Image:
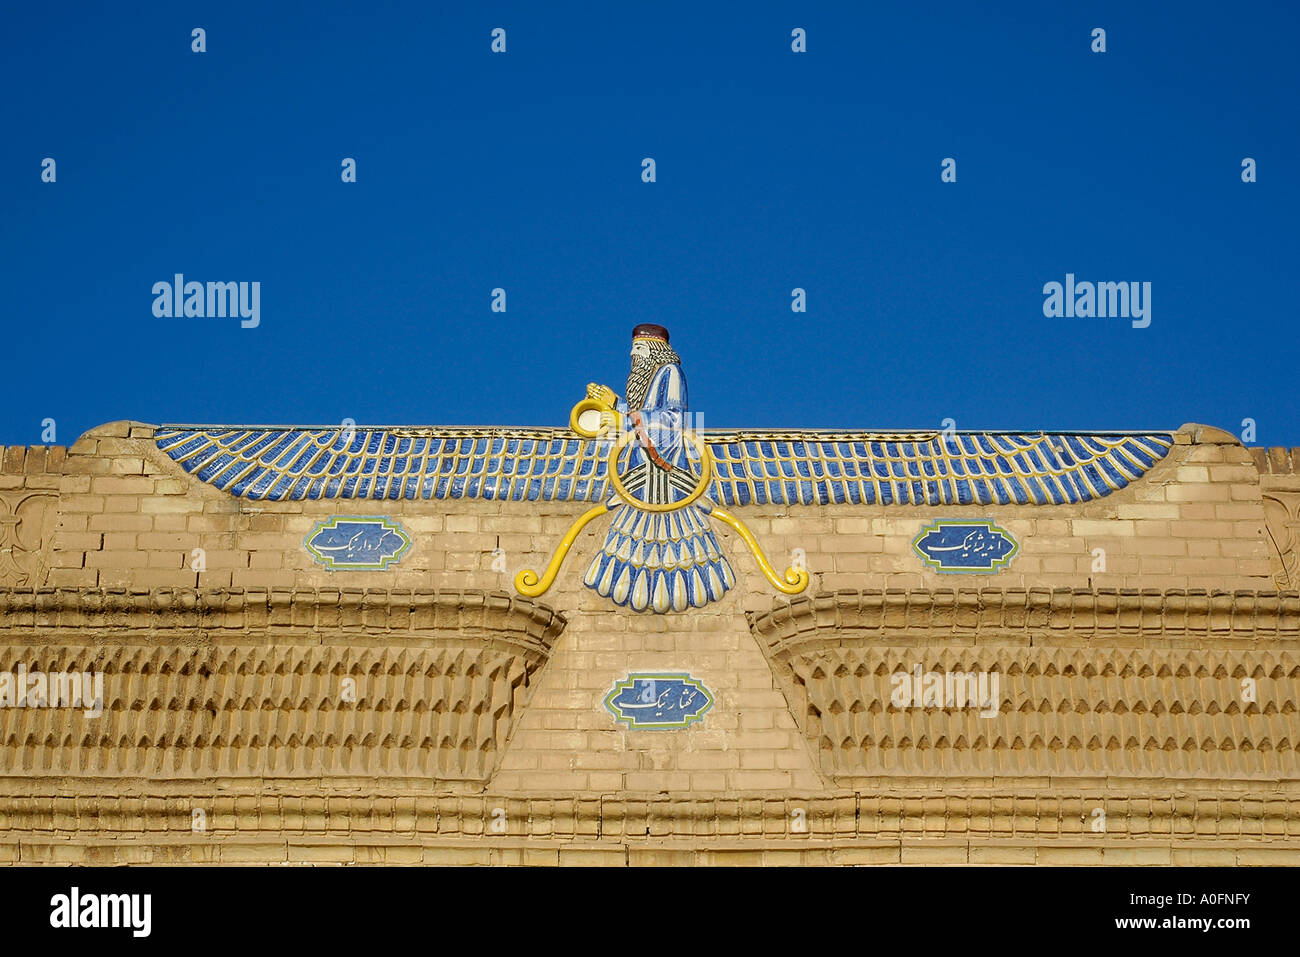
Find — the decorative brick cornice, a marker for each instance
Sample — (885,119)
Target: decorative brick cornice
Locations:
(1012,615)
(390,613)
(846,816)
(1197,686)
(1276,461)
(247,683)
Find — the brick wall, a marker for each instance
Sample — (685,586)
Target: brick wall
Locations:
(1196,520)
(1279,480)
(130,516)
(30,482)
(129,521)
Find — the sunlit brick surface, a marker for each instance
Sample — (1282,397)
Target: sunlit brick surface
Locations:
(260,707)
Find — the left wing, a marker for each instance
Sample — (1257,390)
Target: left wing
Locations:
(289,464)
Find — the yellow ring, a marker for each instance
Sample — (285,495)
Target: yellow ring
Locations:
(706,476)
(588,405)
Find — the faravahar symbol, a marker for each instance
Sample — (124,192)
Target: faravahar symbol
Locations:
(660,552)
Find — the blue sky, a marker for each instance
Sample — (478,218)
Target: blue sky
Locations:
(775,170)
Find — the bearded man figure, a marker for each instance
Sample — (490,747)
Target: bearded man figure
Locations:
(662,558)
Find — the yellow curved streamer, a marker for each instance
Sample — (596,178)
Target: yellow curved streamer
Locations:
(796,579)
(527,582)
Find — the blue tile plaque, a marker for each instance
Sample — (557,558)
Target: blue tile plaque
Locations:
(659,701)
(969,546)
(357,543)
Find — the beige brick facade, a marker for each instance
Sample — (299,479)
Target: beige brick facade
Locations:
(262,708)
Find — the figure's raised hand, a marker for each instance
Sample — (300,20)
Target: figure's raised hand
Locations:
(602,394)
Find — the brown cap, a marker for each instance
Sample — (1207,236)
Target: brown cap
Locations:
(648,330)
